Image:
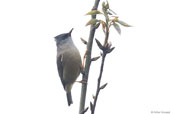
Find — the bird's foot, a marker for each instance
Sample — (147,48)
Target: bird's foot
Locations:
(84,81)
(82,72)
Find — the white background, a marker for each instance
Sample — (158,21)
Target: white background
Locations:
(137,72)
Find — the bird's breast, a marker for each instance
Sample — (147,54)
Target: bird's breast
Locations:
(71,61)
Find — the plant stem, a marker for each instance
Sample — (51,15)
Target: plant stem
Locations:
(88,61)
(101,68)
(98,83)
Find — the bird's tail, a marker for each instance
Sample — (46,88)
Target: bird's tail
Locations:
(69,98)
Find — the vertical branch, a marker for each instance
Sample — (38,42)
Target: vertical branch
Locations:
(107,29)
(106,36)
(88,61)
(98,84)
(105,48)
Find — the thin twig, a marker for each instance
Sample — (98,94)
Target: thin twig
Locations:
(102,66)
(98,83)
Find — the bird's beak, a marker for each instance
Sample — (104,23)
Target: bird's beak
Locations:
(70,31)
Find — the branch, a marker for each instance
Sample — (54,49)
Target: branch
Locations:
(98,84)
(106,48)
(88,61)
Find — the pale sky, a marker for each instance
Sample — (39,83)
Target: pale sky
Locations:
(138,71)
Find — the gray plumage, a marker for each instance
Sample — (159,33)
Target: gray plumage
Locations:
(68,62)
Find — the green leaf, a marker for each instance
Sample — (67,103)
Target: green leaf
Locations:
(91,106)
(107,5)
(97,25)
(93,12)
(99,44)
(117,27)
(85,111)
(93,97)
(110,50)
(103,4)
(108,12)
(92,21)
(84,41)
(103,25)
(103,86)
(112,11)
(95,58)
(123,23)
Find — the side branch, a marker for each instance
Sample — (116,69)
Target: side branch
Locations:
(98,84)
(106,49)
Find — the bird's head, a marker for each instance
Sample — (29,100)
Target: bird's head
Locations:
(64,38)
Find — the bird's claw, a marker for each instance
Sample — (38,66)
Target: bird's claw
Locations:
(84,81)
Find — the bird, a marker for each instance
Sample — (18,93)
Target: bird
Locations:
(69,64)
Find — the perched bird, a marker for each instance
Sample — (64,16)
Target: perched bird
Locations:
(68,62)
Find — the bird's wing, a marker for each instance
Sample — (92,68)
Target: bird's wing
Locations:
(60,69)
